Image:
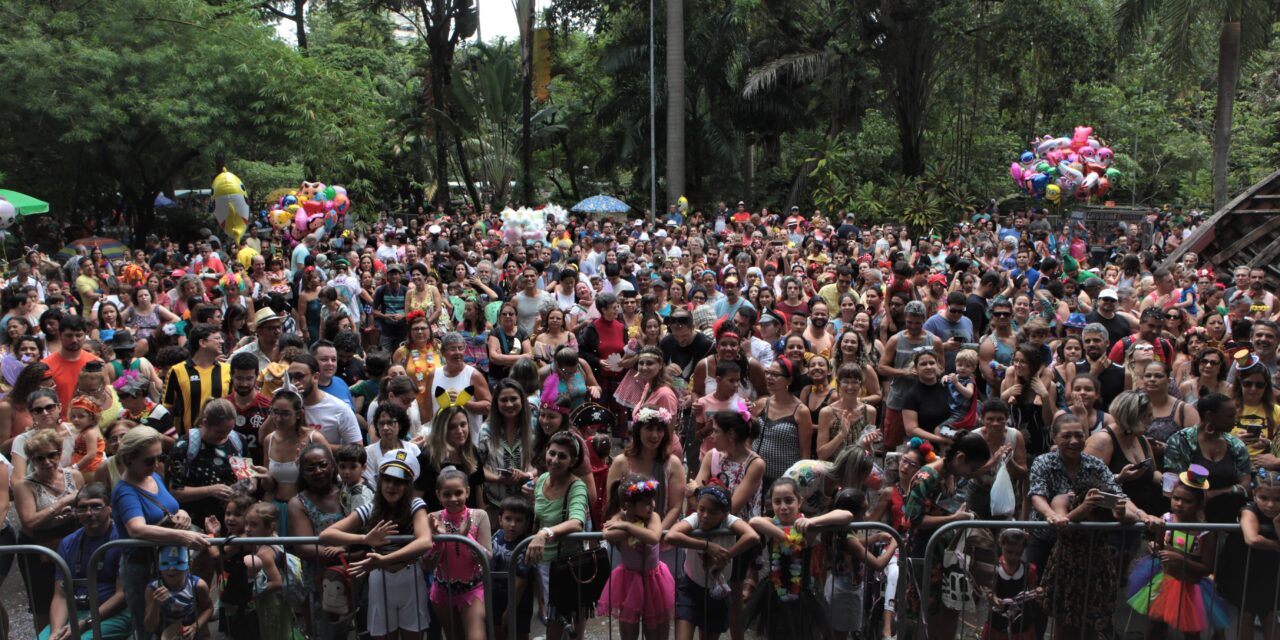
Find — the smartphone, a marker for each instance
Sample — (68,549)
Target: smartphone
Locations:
(1110,499)
(1145,463)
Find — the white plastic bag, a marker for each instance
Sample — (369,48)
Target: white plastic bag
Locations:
(1003,501)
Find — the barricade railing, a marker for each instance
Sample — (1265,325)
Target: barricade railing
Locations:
(482,559)
(68,589)
(517,554)
(947,534)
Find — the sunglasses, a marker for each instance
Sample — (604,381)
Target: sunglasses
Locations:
(48,408)
(1001,314)
(93,509)
(1253,384)
(1211,362)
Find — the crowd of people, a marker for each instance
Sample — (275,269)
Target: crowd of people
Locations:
(733,384)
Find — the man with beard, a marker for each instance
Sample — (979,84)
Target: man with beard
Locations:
(895,366)
(816,334)
(66,363)
(336,420)
(251,406)
(952,327)
(1149,330)
(1105,313)
(1096,363)
(201,377)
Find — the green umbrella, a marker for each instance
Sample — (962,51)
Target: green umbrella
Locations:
(25,204)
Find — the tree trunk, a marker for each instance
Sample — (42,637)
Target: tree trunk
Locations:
(526,99)
(675,100)
(465,169)
(909,61)
(1228,78)
(300,17)
(571,166)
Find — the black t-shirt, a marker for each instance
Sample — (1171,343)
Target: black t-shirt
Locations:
(1117,326)
(975,309)
(1111,380)
(352,372)
(930,402)
(687,356)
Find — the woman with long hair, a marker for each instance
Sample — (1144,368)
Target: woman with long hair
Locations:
(425,297)
(1069,351)
(1082,401)
(15,415)
(506,445)
(728,348)
(1206,374)
(1257,414)
(235,327)
(397,604)
(851,348)
(650,454)
(108,321)
(1029,396)
(554,334)
(287,432)
(145,317)
(451,445)
(821,387)
(1168,414)
(650,335)
(307,311)
(474,329)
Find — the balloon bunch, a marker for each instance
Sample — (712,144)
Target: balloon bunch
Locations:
(1066,168)
(313,207)
(523,224)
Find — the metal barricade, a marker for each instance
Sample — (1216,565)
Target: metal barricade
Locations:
(942,536)
(68,589)
(517,554)
(481,558)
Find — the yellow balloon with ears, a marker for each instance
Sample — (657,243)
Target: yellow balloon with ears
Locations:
(230,205)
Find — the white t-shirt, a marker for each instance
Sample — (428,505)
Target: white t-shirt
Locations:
(373,460)
(693,560)
(336,420)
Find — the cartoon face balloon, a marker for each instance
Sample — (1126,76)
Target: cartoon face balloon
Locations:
(8,214)
(309,189)
(279,219)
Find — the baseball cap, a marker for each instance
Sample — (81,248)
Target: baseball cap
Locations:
(399,463)
(395,266)
(1108,294)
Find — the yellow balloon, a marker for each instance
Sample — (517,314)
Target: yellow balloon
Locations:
(1053,192)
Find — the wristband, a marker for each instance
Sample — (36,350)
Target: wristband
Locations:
(551,535)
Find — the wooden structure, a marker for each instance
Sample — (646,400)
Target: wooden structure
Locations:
(1246,232)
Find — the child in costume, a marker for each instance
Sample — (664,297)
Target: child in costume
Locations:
(787,606)
(1172,586)
(1014,607)
(640,589)
(457,594)
(1246,573)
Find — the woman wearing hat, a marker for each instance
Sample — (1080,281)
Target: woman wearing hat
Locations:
(1211,445)
(397,605)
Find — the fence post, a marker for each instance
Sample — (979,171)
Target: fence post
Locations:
(68,589)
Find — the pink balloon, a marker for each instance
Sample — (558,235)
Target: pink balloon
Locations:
(1015,170)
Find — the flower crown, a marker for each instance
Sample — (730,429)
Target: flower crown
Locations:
(414,315)
(640,489)
(653,413)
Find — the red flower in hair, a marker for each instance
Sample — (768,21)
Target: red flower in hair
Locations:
(414,315)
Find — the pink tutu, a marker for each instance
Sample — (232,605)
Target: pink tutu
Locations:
(631,596)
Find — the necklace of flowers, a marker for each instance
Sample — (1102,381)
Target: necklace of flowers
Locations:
(791,546)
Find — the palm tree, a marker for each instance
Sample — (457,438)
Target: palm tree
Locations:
(1243,27)
(675,100)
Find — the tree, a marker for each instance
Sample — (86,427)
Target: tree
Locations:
(1242,27)
(675,100)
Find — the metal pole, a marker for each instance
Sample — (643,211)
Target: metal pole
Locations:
(653,134)
(68,589)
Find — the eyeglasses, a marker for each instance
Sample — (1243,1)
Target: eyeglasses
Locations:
(88,509)
(388,423)
(1253,384)
(770,373)
(48,408)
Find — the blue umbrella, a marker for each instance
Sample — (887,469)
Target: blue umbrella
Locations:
(601,204)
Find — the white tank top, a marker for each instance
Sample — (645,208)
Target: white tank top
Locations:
(441,387)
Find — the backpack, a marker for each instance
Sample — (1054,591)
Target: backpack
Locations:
(194,442)
(335,590)
(294,589)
